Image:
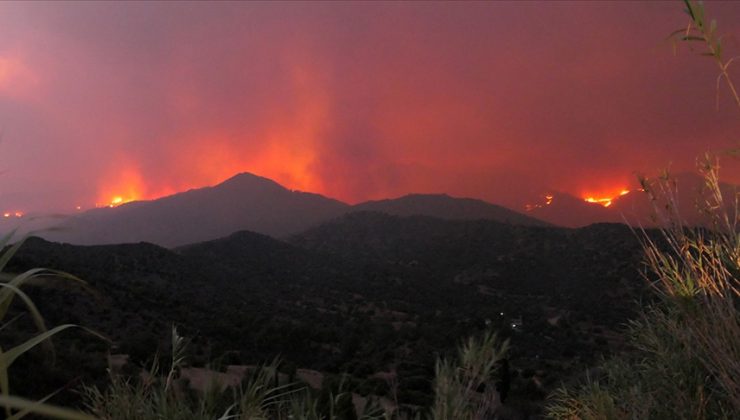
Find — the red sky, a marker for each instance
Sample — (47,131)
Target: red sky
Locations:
(356,101)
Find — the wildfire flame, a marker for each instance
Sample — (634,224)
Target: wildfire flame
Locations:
(548,200)
(16,214)
(123,185)
(115,201)
(605,201)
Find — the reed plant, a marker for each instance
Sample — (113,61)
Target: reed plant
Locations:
(16,407)
(684,357)
(465,389)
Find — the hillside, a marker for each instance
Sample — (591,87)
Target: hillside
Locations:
(243,202)
(443,206)
(634,208)
(569,211)
(556,262)
(365,293)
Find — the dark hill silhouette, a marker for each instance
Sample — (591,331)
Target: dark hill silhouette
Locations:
(254,203)
(634,208)
(250,202)
(243,202)
(570,211)
(538,260)
(443,206)
(357,294)
(246,250)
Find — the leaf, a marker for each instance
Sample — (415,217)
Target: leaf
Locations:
(676,32)
(43,409)
(9,356)
(35,314)
(6,238)
(4,381)
(689,9)
(27,411)
(7,255)
(6,295)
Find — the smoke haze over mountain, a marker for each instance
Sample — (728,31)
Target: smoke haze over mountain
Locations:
(498,101)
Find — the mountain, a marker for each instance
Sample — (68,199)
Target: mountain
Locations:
(523,259)
(249,202)
(361,294)
(443,206)
(635,208)
(243,202)
(563,209)
(691,195)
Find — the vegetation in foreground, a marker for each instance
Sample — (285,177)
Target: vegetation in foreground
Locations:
(683,359)
(10,289)
(464,388)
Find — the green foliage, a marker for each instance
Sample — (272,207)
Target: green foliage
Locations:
(16,407)
(684,351)
(588,401)
(156,396)
(684,356)
(465,390)
(259,396)
(699,30)
(253,298)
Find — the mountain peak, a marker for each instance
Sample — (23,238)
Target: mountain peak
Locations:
(243,202)
(249,179)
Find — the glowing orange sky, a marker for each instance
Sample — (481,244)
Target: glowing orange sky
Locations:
(501,101)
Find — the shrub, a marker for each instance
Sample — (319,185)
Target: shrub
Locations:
(466,390)
(684,360)
(10,288)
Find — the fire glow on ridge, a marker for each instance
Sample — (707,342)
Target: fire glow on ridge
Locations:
(548,200)
(605,201)
(115,201)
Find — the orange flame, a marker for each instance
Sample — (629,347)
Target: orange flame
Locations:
(121,187)
(605,201)
(548,200)
(289,146)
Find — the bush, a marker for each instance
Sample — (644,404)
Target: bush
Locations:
(10,288)
(684,357)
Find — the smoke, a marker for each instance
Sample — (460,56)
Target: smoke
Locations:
(356,101)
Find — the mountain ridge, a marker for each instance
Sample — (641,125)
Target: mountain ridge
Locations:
(447,207)
(250,202)
(635,207)
(242,202)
